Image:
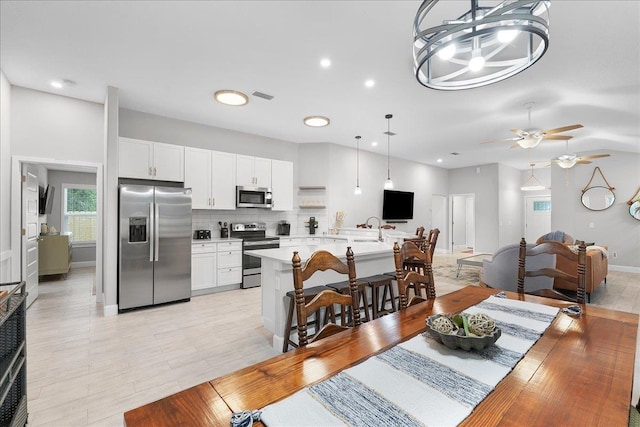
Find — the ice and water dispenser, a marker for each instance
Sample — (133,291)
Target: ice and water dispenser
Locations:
(137,229)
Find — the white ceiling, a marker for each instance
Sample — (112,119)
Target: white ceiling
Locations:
(168,57)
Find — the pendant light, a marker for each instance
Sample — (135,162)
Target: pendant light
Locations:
(532,184)
(388,185)
(357,190)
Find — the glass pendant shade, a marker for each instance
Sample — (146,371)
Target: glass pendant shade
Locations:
(388,184)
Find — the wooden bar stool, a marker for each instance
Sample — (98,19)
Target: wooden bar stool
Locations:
(378,302)
(343,288)
(309,294)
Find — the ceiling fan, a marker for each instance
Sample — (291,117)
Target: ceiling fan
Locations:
(531,137)
(569,160)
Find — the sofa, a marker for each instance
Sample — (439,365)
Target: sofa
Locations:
(596,269)
(501,272)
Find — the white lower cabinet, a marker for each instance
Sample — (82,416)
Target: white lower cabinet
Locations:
(229,263)
(203,266)
(215,264)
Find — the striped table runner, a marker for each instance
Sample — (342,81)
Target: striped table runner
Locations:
(418,382)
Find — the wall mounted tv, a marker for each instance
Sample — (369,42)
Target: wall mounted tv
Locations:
(397,205)
(46,199)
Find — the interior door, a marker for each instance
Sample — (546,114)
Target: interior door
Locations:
(30,233)
(537,217)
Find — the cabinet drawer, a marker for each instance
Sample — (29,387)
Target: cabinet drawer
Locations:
(314,240)
(229,259)
(203,248)
(229,276)
(290,242)
(229,246)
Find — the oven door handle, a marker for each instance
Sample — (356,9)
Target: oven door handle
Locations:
(272,243)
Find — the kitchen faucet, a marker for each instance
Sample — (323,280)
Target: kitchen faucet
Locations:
(379,227)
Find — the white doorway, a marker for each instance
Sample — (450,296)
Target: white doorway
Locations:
(30,230)
(439,218)
(18,216)
(462,222)
(537,217)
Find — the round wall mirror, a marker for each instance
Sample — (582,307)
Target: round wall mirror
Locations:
(634,210)
(598,198)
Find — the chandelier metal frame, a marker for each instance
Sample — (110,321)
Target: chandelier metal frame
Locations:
(476,33)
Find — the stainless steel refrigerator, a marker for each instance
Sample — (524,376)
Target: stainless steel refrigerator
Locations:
(154,263)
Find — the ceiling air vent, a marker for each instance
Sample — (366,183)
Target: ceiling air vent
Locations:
(262,95)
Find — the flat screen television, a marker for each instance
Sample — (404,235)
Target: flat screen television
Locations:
(46,199)
(397,205)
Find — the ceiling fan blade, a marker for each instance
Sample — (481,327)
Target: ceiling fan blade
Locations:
(556,137)
(583,162)
(594,156)
(563,129)
(519,132)
(500,140)
(516,145)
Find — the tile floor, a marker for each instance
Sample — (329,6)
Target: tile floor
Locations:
(87,370)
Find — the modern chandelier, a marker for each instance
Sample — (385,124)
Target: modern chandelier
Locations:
(480,46)
(532,184)
(388,184)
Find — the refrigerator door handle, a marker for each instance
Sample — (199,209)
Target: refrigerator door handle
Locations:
(151,232)
(156,231)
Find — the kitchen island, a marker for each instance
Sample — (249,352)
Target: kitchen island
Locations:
(277,277)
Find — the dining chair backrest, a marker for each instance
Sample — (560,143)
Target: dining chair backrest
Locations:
(322,261)
(388,227)
(363,226)
(432,239)
(413,280)
(420,232)
(410,258)
(557,249)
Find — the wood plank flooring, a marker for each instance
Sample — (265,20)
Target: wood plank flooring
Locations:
(87,370)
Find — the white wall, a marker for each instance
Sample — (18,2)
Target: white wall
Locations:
(334,166)
(5,179)
(510,206)
(55,127)
(614,226)
(483,182)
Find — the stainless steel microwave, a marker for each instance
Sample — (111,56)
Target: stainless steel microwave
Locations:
(253,197)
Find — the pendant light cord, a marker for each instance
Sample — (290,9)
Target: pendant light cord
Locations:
(388,117)
(358,161)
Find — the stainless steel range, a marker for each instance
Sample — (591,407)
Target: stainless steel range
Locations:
(253,237)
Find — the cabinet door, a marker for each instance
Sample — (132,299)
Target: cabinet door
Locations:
(135,158)
(262,172)
(244,171)
(203,270)
(197,176)
(168,160)
(282,185)
(223,180)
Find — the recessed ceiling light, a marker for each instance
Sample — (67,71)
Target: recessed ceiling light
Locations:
(316,121)
(325,63)
(56,84)
(439,160)
(369,83)
(374,143)
(231,97)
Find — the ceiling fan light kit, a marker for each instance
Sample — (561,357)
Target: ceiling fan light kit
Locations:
(483,45)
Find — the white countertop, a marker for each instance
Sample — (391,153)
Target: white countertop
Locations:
(321,236)
(216,240)
(285,254)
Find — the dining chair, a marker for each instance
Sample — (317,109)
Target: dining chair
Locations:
(432,239)
(557,249)
(412,280)
(420,232)
(408,258)
(363,226)
(388,227)
(321,261)
(419,240)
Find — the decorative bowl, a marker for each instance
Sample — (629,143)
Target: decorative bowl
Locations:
(456,338)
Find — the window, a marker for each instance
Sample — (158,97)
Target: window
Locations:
(79,211)
(542,205)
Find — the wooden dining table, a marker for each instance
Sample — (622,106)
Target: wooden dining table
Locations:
(580,372)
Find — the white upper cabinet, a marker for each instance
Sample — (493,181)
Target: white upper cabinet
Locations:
(150,160)
(282,185)
(197,176)
(253,171)
(211,177)
(223,183)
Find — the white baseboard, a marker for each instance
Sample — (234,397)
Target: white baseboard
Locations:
(79,264)
(624,268)
(110,310)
